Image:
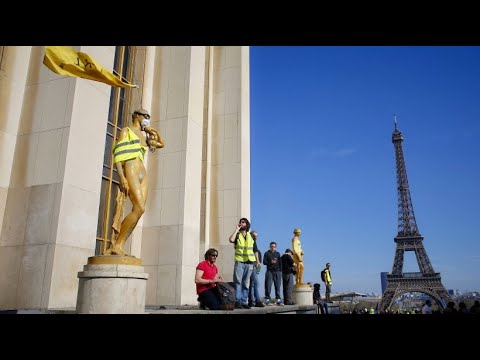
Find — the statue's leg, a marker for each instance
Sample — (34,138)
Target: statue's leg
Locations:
(133,171)
(144,185)
(300,273)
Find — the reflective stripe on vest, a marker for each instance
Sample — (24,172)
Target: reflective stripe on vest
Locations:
(128,148)
(244,248)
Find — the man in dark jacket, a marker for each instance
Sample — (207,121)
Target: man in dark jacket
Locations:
(288,272)
(271,259)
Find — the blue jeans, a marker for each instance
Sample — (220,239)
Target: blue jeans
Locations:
(253,293)
(241,277)
(276,278)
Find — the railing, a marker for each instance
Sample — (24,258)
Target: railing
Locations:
(413,275)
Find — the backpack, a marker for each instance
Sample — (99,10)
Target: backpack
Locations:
(323,276)
(227,295)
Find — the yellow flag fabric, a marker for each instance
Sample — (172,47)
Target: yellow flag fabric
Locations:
(65,60)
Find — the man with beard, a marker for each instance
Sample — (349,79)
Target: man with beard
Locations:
(245,248)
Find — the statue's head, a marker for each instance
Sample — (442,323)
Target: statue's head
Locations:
(143,117)
(142,112)
(297,231)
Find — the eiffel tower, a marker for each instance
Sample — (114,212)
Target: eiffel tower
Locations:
(426,281)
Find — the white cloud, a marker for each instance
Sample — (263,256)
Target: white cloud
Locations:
(344,152)
(341,153)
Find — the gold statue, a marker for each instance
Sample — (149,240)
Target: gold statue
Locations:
(128,155)
(298,257)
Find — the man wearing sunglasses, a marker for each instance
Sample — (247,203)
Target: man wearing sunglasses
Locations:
(206,277)
(245,249)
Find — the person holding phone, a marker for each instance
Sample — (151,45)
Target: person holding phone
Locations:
(245,249)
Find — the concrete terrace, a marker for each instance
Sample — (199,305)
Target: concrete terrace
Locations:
(192,309)
(274,309)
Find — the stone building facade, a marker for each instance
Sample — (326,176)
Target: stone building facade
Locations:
(57,186)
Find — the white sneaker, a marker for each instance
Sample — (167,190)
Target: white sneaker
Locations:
(269,303)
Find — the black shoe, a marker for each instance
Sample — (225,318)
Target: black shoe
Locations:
(289,303)
(238,305)
(245,306)
(250,303)
(259,304)
(202,306)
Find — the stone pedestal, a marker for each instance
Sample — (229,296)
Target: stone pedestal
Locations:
(302,295)
(112,285)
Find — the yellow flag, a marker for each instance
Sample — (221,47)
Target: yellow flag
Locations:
(65,60)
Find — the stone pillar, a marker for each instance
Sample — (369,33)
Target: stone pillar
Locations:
(112,285)
(302,295)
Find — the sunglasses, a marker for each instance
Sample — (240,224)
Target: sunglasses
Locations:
(146,116)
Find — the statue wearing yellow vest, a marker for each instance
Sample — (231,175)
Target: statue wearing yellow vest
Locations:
(298,257)
(128,156)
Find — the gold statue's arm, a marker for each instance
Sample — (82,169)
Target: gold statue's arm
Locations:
(154,140)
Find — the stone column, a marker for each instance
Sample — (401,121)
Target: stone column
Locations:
(112,285)
(302,295)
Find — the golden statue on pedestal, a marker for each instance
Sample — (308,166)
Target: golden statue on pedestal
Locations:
(129,152)
(298,257)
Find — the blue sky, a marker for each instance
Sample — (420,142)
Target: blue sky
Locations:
(322,158)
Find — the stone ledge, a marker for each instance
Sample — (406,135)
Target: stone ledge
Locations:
(274,309)
(39,311)
(112,274)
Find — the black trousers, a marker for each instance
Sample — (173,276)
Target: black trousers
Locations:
(210,298)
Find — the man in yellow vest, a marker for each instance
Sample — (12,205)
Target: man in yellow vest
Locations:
(245,251)
(328,283)
(128,155)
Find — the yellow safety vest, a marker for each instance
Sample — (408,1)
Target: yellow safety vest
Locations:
(128,148)
(244,248)
(327,276)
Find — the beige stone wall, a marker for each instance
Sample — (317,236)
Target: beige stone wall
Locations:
(200,181)
(171,224)
(52,138)
(229,190)
(51,209)
(13,77)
